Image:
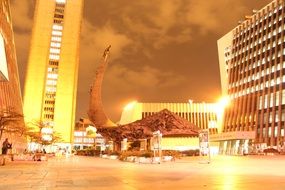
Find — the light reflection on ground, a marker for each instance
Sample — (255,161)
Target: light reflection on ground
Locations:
(223,173)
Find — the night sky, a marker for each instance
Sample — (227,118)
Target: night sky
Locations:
(162,50)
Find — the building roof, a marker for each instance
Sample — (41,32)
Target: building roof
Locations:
(168,123)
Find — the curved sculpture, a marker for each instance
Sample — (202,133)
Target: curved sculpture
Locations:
(96,111)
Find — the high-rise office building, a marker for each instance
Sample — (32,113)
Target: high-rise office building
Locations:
(252,65)
(10,94)
(52,70)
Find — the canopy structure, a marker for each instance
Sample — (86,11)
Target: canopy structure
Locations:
(168,123)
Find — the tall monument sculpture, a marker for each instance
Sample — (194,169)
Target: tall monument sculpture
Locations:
(96,111)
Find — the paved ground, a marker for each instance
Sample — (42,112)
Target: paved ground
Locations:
(223,173)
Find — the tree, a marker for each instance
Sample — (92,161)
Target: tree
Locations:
(11,122)
(34,132)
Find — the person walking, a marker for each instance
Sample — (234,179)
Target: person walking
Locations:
(5,146)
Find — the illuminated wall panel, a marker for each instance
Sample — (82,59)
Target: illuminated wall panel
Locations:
(3,62)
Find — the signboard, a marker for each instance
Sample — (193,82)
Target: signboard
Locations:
(204,142)
(156,140)
(233,135)
(124,144)
(3,61)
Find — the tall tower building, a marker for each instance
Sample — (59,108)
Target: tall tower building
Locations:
(51,78)
(10,94)
(252,65)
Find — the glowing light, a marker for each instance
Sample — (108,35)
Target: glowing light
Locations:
(91,131)
(220,106)
(47,130)
(47,137)
(60,1)
(130,105)
(3,61)
(212,124)
(224,101)
(47,133)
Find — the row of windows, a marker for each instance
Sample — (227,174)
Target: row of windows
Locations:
(49,102)
(53,62)
(58,16)
(60,4)
(51,83)
(50,95)
(271,97)
(55,44)
(48,116)
(260,17)
(52,76)
(56,38)
(253,50)
(50,89)
(249,90)
(52,69)
(57,27)
(84,140)
(56,33)
(268,133)
(54,51)
(258,63)
(58,21)
(261,32)
(59,10)
(54,57)
(51,109)
(265,73)
(60,1)
(259,54)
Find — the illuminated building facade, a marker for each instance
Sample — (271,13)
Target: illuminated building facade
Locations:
(52,71)
(207,116)
(10,94)
(252,65)
(203,115)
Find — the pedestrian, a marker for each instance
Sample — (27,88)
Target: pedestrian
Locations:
(5,146)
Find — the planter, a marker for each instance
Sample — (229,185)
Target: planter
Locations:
(145,160)
(167,158)
(113,157)
(131,158)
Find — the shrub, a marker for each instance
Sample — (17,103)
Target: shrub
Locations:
(146,154)
(191,152)
(173,153)
(270,150)
(126,154)
(115,153)
(88,152)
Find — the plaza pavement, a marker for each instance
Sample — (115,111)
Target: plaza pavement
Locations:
(223,173)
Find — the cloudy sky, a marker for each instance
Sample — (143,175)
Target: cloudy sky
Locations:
(162,50)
